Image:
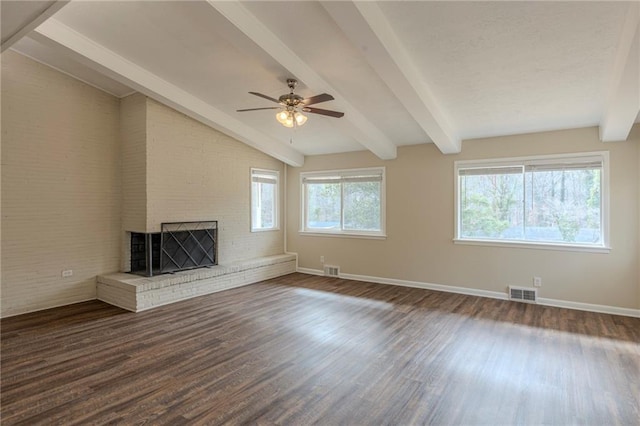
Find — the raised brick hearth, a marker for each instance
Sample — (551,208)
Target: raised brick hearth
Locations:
(136,293)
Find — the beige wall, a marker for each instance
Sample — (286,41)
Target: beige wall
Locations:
(635,136)
(60,186)
(420,225)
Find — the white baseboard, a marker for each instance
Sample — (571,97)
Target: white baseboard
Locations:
(589,307)
(427,286)
(604,309)
(31,310)
(310,271)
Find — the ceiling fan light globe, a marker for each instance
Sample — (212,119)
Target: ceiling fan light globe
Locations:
(282,117)
(289,121)
(300,118)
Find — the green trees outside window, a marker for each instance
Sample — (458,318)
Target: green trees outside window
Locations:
(264,199)
(538,200)
(349,201)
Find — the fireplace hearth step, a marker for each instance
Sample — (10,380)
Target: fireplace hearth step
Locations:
(136,293)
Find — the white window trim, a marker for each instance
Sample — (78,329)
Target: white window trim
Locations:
(276,212)
(554,158)
(339,233)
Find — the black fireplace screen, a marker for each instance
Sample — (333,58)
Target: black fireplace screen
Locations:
(180,246)
(188,245)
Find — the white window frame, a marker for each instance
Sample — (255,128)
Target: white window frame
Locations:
(602,156)
(343,173)
(264,173)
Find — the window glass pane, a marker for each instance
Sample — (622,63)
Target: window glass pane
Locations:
(265,207)
(552,199)
(563,206)
(491,206)
(255,205)
(264,199)
(349,202)
(362,206)
(323,205)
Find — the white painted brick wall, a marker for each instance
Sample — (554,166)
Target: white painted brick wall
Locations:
(133,132)
(197,173)
(60,186)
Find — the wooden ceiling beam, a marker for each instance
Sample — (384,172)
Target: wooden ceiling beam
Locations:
(353,123)
(623,97)
(29,25)
(366,26)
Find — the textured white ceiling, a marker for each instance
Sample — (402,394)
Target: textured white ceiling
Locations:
(488,68)
(513,67)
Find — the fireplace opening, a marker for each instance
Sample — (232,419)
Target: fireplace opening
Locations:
(178,247)
(140,257)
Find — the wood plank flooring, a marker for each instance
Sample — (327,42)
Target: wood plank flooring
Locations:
(301,349)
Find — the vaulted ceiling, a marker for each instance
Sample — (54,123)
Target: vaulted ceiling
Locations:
(402,72)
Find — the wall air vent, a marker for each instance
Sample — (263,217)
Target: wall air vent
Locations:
(523,294)
(331,271)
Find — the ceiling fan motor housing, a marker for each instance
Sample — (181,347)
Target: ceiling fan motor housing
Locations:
(290,99)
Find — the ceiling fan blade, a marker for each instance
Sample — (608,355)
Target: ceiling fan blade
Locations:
(335,114)
(255,109)
(317,99)
(265,97)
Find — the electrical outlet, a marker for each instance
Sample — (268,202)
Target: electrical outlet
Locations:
(67,273)
(537,282)
(321,259)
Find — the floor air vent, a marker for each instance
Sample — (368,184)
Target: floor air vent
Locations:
(523,294)
(331,271)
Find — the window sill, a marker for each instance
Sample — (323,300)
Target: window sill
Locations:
(343,235)
(264,229)
(531,245)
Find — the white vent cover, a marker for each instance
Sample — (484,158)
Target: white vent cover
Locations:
(331,271)
(523,294)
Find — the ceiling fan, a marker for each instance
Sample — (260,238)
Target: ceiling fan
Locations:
(292,106)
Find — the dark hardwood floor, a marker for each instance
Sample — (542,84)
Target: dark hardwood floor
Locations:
(301,349)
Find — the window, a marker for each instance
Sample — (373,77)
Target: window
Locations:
(346,202)
(557,200)
(264,200)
